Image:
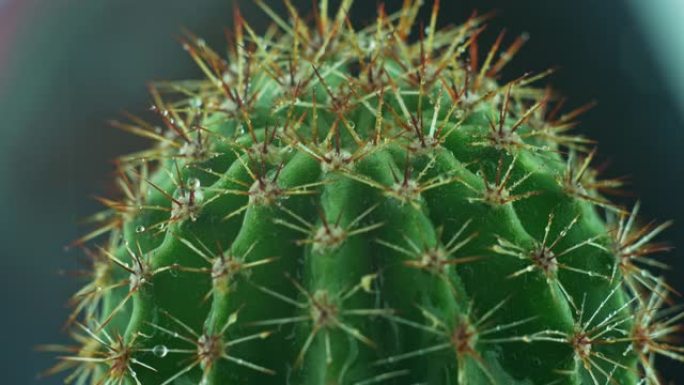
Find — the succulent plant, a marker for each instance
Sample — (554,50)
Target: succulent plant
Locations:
(335,205)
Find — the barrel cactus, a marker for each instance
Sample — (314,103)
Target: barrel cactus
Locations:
(335,205)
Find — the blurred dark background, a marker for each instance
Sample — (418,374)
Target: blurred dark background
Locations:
(68,66)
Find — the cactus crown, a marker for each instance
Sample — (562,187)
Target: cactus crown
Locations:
(355,206)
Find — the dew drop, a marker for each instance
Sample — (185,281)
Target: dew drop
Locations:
(140,229)
(160,351)
(194,183)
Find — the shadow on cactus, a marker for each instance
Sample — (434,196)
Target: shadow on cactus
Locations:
(365,206)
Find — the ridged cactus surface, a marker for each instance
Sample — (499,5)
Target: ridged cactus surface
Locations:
(341,206)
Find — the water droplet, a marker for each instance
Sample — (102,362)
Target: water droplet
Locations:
(139,229)
(160,351)
(193,184)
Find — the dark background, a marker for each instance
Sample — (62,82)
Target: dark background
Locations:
(66,67)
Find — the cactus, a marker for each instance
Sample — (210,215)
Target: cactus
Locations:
(365,206)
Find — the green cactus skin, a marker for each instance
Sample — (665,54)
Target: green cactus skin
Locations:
(351,207)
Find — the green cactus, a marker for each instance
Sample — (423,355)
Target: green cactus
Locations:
(351,207)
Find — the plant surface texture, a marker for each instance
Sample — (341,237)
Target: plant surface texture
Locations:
(335,205)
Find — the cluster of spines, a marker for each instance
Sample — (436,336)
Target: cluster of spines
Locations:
(345,101)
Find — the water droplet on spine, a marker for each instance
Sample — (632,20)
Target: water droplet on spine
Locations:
(160,351)
(194,183)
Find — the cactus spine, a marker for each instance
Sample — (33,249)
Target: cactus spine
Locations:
(341,206)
